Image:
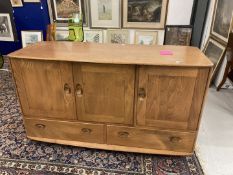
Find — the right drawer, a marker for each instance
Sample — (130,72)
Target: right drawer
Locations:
(153,139)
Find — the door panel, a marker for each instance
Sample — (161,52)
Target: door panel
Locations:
(104,93)
(165,96)
(46,88)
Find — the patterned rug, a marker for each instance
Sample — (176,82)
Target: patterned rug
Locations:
(19,155)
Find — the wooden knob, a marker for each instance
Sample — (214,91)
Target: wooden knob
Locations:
(86,130)
(40,126)
(67,89)
(175,139)
(123,134)
(79,90)
(141,93)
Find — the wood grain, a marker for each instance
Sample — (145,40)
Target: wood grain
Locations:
(108,92)
(154,139)
(114,53)
(64,130)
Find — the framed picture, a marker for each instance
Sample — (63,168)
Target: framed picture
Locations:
(178,35)
(62,34)
(222,20)
(118,36)
(31,0)
(93,36)
(16,3)
(144,14)
(105,13)
(62,10)
(6,32)
(146,37)
(215,52)
(31,37)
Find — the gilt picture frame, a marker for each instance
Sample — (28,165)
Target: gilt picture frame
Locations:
(222,20)
(146,37)
(118,36)
(144,14)
(16,3)
(105,13)
(215,51)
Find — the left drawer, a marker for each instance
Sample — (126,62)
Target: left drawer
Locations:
(63,130)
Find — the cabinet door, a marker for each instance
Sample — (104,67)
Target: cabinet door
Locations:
(167,97)
(104,93)
(45,88)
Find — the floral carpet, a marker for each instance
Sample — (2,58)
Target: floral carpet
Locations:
(19,155)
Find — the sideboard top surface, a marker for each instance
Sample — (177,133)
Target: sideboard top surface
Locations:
(114,54)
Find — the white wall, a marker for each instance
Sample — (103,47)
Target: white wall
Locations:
(179,12)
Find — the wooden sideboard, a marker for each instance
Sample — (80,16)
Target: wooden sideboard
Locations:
(113,97)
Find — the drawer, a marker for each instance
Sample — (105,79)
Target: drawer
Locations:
(59,130)
(153,139)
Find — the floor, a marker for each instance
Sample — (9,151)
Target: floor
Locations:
(215,140)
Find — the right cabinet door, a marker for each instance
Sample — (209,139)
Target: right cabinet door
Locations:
(170,97)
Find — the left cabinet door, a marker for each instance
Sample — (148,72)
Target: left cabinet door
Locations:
(45,88)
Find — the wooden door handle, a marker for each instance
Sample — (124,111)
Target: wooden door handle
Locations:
(86,130)
(141,93)
(175,139)
(123,134)
(40,126)
(79,90)
(67,89)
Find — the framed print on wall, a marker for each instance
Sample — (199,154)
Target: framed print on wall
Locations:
(6,32)
(144,14)
(31,0)
(62,10)
(178,35)
(215,52)
(222,20)
(146,37)
(16,3)
(118,36)
(105,13)
(62,34)
(93,36)
(31,37)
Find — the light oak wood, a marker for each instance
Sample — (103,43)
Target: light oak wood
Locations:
(114,53)
(154,139)
(45,88)
(64,130)
(137,101)
(104,93)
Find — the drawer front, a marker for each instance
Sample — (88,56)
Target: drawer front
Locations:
(60,130)
(142,138)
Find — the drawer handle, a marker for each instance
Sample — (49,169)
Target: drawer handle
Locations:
(79,90)
(141,94)
(123,134)
(40,126)
(175,139)
(86,130)
(67,89)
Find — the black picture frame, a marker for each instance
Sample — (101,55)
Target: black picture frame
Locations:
(167,27)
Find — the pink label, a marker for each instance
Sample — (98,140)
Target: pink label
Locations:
(166,52)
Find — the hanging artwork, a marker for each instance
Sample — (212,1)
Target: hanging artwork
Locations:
(144,13)
(16,3)
(6,33)
(93,36)
(62,34)
(62,10)
(105,13)
(31,37)
(118,36)
(214,51)
(222,20)
(178,35)
(146,37)
(32,1)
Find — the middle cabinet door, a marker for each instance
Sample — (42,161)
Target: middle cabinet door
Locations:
(104,92)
